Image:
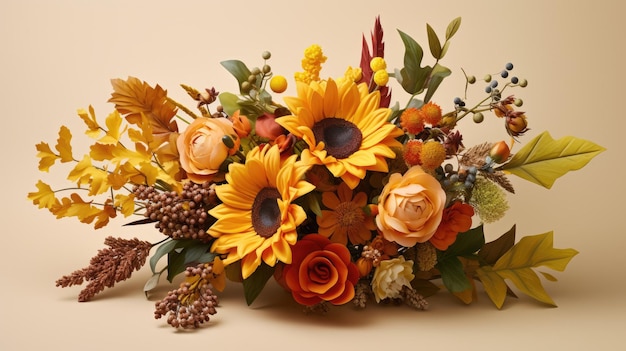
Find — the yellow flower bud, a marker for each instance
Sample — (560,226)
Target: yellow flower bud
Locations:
(381,78)
(377,64)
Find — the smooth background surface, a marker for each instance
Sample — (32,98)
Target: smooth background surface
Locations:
(57,56)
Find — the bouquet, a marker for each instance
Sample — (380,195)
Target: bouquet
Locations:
(338,194)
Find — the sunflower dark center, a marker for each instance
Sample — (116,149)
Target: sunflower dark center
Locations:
(342,138)
(265,212)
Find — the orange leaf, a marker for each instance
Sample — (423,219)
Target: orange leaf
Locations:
(132,98)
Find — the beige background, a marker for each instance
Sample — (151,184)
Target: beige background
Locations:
(57,56)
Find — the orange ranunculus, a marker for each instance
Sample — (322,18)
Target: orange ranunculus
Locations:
(410,207)
(241,124)
(320,271)
(202,148)
(457,218)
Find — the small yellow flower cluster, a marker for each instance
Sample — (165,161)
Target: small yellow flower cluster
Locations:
(379,67)
(353,74)
(312,64)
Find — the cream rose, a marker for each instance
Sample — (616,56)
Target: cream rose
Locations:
(410,207)
(202,149)
(390,276)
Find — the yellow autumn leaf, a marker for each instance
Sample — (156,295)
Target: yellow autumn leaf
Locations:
(517,263)
(75,206)
(63,145)
(126,203)
(101,152)
(544,159)
(116,180)
(98,181)
(114,131)
(494,285)
(44,196)
(93,128)
(149,171)
(81,172)
(47,158)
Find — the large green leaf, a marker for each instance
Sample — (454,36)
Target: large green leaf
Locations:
(238,69)
(453,276)
(544,159)
(438,73)
(412,75)
(254,284)
(517,266)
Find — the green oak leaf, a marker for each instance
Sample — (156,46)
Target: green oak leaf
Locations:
(544,159)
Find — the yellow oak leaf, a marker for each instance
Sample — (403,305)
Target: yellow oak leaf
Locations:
(98,181)
(75,206)
(81,172)
(126,203)
(114,131)
(116,180)
(93,128)
(44,196)
(47,158)
(101,152)
(63,145)
(149,171)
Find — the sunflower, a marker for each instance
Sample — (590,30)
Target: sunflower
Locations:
(257,218)
(346,219)
(344,127)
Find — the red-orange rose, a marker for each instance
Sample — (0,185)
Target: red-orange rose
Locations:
(320,271)
(266,127)
(457,218)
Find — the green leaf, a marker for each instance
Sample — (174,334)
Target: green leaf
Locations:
(452,275)
(492,251)
(238,69)
(412,75)
(453,27)
(229,102)
(152,282)
(254,284)
(465,244)
(544,159)
(433,42)
(437,75)
(161,251)
(186,252)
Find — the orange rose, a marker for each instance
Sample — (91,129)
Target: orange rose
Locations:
(457,218)
(202,149)
(320,271)
(410,207)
